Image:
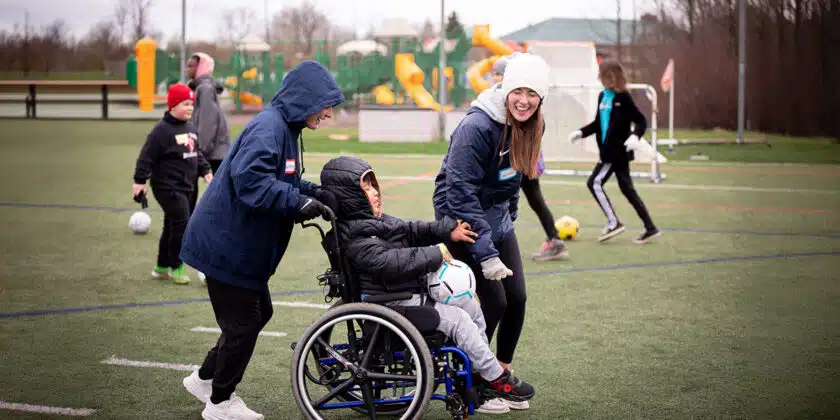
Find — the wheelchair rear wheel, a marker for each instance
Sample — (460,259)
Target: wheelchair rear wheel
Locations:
(384,369)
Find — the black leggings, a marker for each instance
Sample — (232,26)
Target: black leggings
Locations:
(176,214)
(600,175)
(503,301)
(531,188)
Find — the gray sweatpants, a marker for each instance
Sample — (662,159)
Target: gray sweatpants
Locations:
(465,325)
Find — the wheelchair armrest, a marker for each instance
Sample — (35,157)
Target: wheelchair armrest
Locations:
(387,297)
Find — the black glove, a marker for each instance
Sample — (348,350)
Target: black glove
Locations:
(328,199)
(310,208)
(141,198)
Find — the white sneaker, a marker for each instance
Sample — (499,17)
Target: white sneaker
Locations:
(200,388)
(517,405)
(494,406)
(202,278)
(232,409)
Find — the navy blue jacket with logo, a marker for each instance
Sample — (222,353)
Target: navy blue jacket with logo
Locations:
(476,182)
(243,221)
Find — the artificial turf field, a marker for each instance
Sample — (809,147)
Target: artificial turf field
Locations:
(732,313)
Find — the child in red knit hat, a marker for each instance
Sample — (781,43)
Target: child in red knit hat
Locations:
(171,159)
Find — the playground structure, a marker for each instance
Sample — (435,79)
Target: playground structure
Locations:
(395,74)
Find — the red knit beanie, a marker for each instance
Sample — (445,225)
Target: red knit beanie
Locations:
(178,93)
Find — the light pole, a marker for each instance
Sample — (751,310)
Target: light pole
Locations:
(441,78)
(183,77)
(742,65)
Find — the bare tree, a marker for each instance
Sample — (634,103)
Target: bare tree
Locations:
(104,38)
(121,19)
(428,31)
(301,25)
(237,24)
(53,41)
(136,14)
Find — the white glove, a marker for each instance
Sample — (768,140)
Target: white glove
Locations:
(495,269)
(576,135)
(632,143)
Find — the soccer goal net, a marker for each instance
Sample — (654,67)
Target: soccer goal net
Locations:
(571,103)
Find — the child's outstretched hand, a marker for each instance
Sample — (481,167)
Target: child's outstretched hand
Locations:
(136,189)
(462,233)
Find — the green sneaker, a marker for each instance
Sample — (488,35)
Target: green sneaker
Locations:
(178,275)
(161,273)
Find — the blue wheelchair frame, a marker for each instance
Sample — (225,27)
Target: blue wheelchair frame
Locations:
(338,282)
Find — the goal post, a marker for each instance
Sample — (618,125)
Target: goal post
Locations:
(571,102)
(569,107)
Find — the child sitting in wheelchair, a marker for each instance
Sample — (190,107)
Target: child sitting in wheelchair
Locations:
(390,255)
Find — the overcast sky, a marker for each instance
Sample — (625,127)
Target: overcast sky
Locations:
(203,16)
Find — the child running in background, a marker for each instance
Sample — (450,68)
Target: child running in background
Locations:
(611,127)
(172,161)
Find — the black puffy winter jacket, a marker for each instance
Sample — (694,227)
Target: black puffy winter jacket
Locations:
(388,255)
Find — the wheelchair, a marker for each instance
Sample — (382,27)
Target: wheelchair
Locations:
(374,359)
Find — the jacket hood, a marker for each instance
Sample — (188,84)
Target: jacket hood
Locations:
(206,64)
(492,102)
(308,88)
(341,176)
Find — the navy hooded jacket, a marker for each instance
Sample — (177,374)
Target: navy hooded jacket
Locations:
(242,224)
(476,182)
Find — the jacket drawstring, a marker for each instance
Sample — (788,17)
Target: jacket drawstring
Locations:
(300,155)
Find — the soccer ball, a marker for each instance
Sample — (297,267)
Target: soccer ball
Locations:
(452,284)
(140,222)
(567,227)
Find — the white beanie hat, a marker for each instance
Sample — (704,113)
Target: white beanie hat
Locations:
(526,71)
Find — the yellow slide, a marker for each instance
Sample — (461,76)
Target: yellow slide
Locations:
(476,72)
(384,95)
(250,99)
(411,79)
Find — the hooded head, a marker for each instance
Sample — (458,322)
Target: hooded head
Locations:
(353,183)
(498,70)
(200,64)
(308,93)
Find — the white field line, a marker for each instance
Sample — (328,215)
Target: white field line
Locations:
(667,186)
(301,304)
(43,409)
(219,331)
(173,366)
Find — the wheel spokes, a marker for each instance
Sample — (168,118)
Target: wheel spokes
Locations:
(367,392)
(371,346)
(333,392)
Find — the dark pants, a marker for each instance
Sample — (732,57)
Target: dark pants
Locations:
(214,166)
(531,188)
(176,214)
(600,175)
(502,301)
(241,315)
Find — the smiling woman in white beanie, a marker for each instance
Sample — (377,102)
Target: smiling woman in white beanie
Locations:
(496,143)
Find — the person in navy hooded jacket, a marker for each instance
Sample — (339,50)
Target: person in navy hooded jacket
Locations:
(494,146)
(242,225)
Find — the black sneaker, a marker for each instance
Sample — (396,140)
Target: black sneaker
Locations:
(608,233)
(556,250)
(510,388)
(647,236)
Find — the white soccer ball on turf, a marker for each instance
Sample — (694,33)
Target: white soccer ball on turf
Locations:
(140,222)
(452,284)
